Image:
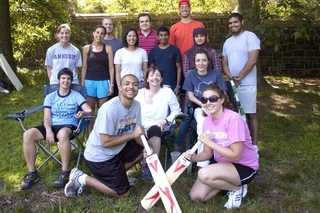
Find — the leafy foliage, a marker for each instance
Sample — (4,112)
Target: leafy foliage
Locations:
(156,7)
(304,11)
(35,21)
(270,14)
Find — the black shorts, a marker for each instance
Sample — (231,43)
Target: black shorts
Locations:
(112,172)
(154,131)
(55,129)
(246,173)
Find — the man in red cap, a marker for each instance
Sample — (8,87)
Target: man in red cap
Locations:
(181,37)
(181,32)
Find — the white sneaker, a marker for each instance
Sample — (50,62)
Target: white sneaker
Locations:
(235,197)
(256,148)
(73,187)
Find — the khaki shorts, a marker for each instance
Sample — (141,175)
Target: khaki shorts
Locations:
(248,98)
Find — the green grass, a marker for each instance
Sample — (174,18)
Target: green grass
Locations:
(288,179)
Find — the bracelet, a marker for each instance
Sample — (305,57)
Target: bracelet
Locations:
(233,78)
(178,86)
(112,85)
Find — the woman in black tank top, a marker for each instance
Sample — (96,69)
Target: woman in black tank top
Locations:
(97,70)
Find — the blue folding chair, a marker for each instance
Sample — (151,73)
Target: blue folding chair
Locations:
(77,137)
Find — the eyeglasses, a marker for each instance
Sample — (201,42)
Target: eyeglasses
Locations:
(212,99)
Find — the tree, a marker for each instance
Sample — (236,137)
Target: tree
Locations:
(34,21)
(156,7)
(5,35)
(262,17)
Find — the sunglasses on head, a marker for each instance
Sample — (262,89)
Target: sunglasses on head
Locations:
(212,99)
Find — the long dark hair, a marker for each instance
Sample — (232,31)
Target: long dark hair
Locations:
(221,93)
(124,38)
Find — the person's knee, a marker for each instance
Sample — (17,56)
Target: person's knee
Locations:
(252,116)
(127,193)
(29,136)
(64,134)
(203,175)
(155,141)
(195,196)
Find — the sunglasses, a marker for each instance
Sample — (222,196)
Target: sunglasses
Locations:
(212,99)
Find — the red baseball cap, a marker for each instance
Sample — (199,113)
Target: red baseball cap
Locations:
(181,2)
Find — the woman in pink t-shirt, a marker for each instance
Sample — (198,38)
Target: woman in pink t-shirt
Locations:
(226,137)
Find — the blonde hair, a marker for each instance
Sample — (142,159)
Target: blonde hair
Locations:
(61,26)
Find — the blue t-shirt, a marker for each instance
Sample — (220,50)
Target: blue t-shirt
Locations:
(196,83)
(64,108)
(114,43)
(166,60)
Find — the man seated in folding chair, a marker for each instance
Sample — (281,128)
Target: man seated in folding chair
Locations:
(155,100)
(60,120)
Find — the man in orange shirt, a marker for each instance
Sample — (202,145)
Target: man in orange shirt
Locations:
(181,36)
(181,32)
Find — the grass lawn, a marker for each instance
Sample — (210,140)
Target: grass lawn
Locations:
(288,179)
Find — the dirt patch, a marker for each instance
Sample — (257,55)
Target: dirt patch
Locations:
(36,199)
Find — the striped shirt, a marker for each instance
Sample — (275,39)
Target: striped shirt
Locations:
(148,42)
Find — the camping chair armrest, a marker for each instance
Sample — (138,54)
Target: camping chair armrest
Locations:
(19,116)
(167,126)
(83,119)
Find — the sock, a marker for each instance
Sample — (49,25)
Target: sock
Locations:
(82,179)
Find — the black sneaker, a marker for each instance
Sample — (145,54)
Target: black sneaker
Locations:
(146,174)
(29,180)
(62,180)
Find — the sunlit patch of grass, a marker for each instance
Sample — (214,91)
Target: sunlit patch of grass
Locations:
(32,77)
(288,179)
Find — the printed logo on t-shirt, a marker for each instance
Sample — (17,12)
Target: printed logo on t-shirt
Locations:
(198,90)
(64,56)
(220,138)
(63,110)
(127,125)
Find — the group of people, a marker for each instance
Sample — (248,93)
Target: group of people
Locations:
(135,83)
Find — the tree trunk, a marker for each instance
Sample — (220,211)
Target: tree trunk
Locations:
(250,12)
(5,35)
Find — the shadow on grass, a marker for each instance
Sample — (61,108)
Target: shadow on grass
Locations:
(288,179)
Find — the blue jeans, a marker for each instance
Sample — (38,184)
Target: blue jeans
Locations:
(183,130)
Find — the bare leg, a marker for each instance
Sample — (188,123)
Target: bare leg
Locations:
(92,103)
(64,147)
(208,184)
(102,101)
(253,127)
(156,144)
(29,148)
